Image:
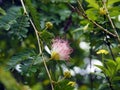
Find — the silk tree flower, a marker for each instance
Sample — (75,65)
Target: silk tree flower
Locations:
(60,49)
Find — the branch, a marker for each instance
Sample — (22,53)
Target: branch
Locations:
(82,12)
(39,46)
(36,32)
(109,18)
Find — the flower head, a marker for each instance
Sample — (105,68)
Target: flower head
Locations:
(102,51)
(60,49)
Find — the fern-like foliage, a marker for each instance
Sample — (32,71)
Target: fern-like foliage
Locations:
(15,23)
(18,58)
(27,60)
(7,20)
(19,28)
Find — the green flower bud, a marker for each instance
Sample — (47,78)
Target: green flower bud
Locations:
(67,74)
(49,25)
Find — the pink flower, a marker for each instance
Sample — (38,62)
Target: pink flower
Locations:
(60,49)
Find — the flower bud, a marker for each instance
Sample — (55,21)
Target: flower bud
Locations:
(102,11)
(67,74)
(86,27)
(49,25)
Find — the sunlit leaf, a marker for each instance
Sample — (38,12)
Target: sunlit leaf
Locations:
(2,11)
(112,1)
(92,3)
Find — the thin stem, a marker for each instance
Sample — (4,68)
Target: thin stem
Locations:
(82,12)
(39,46)
(81,6)
(51,81)
(111,52)
(36,32)
(109,82)
(108,42)
(109,46)
(102,28)
(38,40)
(108,15)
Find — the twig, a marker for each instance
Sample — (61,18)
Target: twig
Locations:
(39,46)
(86,17)
(109,46)
(107,39)
(36,32)
(109,18)
(80,5)
(51,81)
(105,30)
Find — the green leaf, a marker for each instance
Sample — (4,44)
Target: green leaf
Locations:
(19,28)
(103,86)
(63,86)
(105,71)
(46,36)
(118,60)
(37,86)
(64,14)
(92,3)
(117,24)
(7,27)
(100,67)
(92,13)
(12,14)
(20,57)
(112,1)
(116,78)
(2,11)
(111,63)
(118,63)
(77,33)
(111,68)
(114,11)
(15,23)
(38,60)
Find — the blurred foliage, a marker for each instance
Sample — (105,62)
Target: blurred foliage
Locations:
(21,63)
